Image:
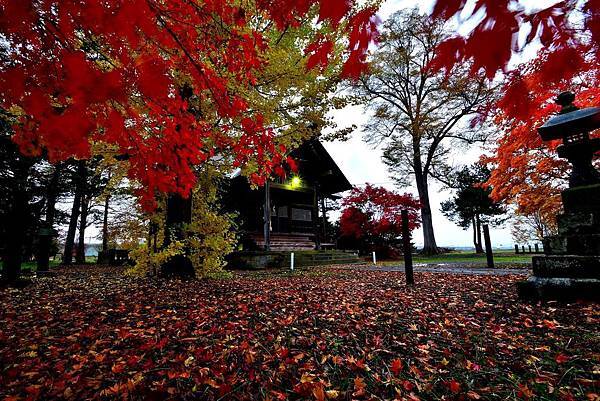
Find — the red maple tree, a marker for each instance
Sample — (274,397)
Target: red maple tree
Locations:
(372,216)
(153,78)
(566,28)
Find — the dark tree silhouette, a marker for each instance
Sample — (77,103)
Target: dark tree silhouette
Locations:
(472,205)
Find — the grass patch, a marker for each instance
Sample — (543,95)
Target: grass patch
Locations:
(464,257)
(473,257)
(31,266)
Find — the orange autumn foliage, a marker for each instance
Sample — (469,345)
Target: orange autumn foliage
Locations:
(525,171)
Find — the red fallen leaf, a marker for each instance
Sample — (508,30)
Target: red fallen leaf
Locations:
(454,386)
(162,343)
(407,385)
(524,391)
(359,387)
(11,373)
(360,364)
(337,360)
(567,396)
(88,333)
(377,341)
(413,397)
(319,392)
(549,324)
(210,382)
(561,358)
(396,366)
(416,371)
(284,352)
(473,366)
(132,360)
(115,389)
(118,368)
(278,395)
(123,333)
(34,390)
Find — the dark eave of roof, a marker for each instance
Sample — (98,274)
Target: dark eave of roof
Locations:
(316,162)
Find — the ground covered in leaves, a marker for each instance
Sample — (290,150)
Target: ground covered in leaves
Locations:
(93,333)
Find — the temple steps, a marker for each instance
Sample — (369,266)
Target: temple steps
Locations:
(287,242)
(281,259)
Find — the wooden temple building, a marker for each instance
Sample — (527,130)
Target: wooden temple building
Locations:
(290,214)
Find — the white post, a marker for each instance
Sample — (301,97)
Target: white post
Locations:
(292,261)
(374,258)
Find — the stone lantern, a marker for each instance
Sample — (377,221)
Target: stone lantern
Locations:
(570,268)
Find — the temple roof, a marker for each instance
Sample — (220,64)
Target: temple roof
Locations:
(315,164)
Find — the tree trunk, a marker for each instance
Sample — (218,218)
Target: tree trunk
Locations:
(429,244)
(80,255)
(179,214)
(45,239)
(478,245)
(105,219)
(17,220)
(70,240)
(105,225)
(79,186)
(475,244)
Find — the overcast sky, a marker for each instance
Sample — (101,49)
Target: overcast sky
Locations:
(361,163)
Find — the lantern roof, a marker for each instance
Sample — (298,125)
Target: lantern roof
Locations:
(571,120)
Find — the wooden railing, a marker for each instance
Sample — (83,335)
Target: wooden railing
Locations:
(528,249)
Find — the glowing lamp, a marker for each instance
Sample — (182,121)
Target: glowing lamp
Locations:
(296,182)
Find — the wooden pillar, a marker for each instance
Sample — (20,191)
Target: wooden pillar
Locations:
(324,216)
(288,215)
(488,246)
(407,248)
(315,220)
(267,217)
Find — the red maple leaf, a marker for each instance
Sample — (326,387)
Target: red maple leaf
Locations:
(396,366)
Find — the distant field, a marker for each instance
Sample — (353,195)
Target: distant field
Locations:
(469,257)
(473,257)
